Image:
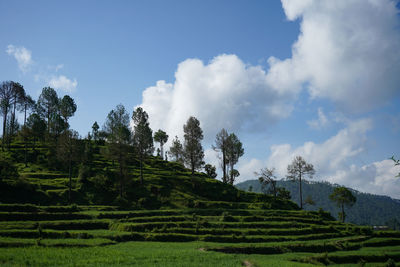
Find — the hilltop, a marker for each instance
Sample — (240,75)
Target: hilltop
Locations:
(369,209)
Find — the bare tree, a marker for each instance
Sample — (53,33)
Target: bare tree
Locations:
(6,94)
(267,179)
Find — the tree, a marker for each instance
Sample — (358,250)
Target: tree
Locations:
(37,127)
(192,149)
(221,146)
(233,173)
(283,193)
(6,94)
(18,94)
(47,105)
(95,131)
(210,170)
(343,197)
(142,136)
(68,154)
(176,150)
(298,170)
(233,152)
(161,137)
(267,179)
(118,145)
(67,108)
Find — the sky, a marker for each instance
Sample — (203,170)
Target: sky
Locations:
(319,79)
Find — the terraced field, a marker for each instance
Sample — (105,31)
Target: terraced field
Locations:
(240,236)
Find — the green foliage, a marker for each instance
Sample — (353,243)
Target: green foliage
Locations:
(210,170)
(192,149)
(7,169)
(234,150)
(342,197)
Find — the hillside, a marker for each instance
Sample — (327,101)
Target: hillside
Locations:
(225,226)
(368,210)
(96,182)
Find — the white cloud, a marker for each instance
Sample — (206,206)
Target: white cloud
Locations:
(347,51)
(319,123)
(22,55)
(63,83)
(226,93)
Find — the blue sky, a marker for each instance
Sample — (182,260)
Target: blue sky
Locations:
(314,78)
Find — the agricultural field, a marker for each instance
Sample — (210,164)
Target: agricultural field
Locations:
(103,235)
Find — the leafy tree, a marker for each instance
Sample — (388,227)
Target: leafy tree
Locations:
(36,126)
(298,170)
(28,105)
(95,131)
(47,105)
(118,144)
(283,193)
(221,143)
(309,201)
(67,108)
(68,154)
(233,152)
(18,94)
(142,136)
(342,197)
(161,137)
(233,174)
(210,171)
(176,150)
(267,179)
(6,96)
(192,149)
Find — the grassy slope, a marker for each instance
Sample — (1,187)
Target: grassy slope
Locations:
(200,221)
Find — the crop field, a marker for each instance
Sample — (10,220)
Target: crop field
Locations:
(104,236)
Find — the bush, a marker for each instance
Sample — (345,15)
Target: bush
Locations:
(7,170)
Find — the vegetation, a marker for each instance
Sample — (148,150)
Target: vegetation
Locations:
(193,153)
(369,209)
(297,170)
(342,197)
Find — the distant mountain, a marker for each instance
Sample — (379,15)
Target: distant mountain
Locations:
(368,210)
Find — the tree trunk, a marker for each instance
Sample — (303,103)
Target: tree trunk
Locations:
(141,168)
(162,150)
(342,213)
(4,126)
(301,194)
(70,181)
(224,165)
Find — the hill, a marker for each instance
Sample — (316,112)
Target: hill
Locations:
(225,226)
(369,209)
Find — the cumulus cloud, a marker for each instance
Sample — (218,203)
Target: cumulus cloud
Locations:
(22,55)
(347,51)
(63,83)
(226,93)
(319,123)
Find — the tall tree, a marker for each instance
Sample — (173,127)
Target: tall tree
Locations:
(95,131)
(161,137)
(47,105)
(192,148)
(342,197)
(68,154)
(28,105)
(67,108)
(142,136)
(18,96)
(234,150)
(267,179)
(6,94)
(298,170)
(221,146)
(176,150)
(36,126)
